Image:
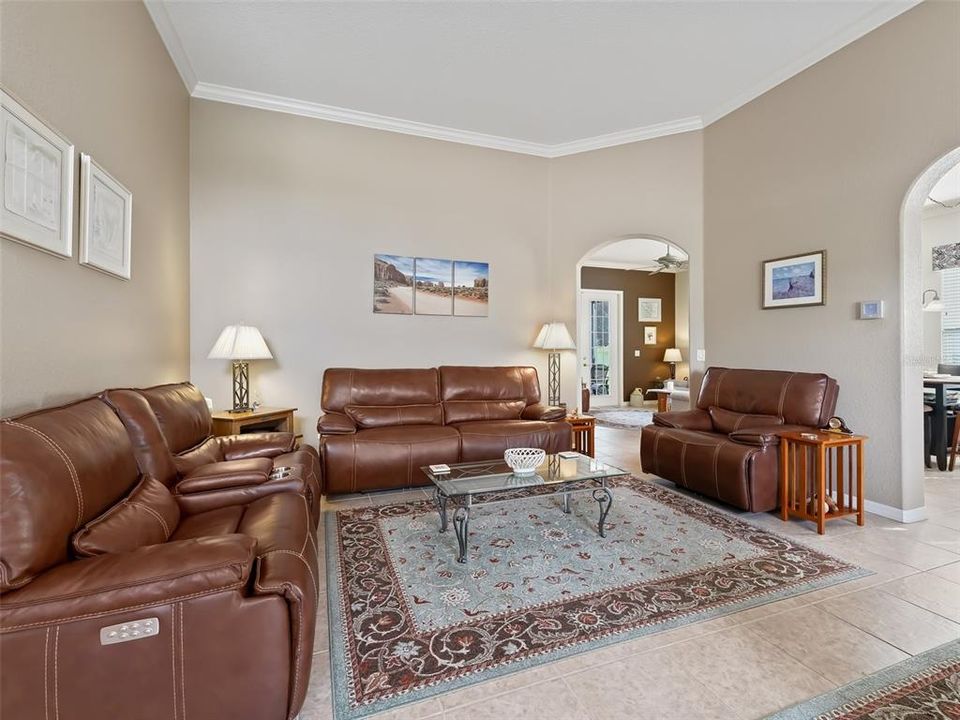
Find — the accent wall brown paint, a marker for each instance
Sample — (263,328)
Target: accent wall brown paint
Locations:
(642,371)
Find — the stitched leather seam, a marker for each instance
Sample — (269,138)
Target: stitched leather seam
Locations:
(306,509)
(183,690)
(683,463)
(66,461)
(173,658)
(316,585)
(296,654)
(716,458)
(146,581)
(114,611)
(46,665)
(656,453)
(155,514)
(56,673)
(783,394)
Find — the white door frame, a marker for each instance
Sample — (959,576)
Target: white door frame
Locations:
(617,352)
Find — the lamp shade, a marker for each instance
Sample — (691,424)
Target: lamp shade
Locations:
(240,342)
(672,355)
(554,336)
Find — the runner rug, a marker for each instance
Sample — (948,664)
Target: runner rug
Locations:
(924,687)
(408,622)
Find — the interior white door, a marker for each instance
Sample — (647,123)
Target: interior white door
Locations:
(600,345)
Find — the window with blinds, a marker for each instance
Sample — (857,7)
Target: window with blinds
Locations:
(950,326)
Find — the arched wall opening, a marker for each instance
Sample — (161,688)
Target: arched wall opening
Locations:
(911,336)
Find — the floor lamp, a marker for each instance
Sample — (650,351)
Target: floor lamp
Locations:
(554,337)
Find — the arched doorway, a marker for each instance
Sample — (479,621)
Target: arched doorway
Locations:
(911,336)
(615,280)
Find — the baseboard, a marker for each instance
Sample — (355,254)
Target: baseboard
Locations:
(892,513)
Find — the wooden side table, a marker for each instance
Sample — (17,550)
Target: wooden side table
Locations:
(583,426)
(819,465)
(263,419)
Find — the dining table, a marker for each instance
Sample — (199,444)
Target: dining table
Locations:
(940,384)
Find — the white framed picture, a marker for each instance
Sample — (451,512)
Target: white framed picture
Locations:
(106,220)
(650,335)
(36,181)
(649,309)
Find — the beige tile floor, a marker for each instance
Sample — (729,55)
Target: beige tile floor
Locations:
(743,665)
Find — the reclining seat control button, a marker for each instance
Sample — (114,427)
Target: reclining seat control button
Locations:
(133,630)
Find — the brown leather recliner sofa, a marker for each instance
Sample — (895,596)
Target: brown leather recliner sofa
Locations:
(171,429)
(727,446)
(119,600)
(381,426)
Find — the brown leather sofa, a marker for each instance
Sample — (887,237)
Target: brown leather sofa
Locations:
(727,446)
(381,426)
(172,434)
(119,600)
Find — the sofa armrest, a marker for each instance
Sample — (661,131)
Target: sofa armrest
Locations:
(148,576)
(227,474)
(547,413)
(335,424)
(685,420)
(767,435)
(256,445)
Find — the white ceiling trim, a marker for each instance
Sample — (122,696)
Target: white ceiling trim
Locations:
(277,103)
(171,38)
(843,37)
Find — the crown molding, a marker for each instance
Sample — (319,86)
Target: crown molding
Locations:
(331,113)
(171,39)
(843,37)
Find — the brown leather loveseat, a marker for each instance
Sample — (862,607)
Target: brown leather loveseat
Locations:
(117,600)
(172,433)
(381,426)
(727,446)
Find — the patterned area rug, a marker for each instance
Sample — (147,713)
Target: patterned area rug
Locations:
(407,621)
(925,687)
(629,418)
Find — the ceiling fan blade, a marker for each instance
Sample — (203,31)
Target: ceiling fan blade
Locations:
(657,271)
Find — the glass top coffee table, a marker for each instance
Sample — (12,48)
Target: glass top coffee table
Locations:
(482,483)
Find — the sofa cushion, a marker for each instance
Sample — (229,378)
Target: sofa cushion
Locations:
(59,468)
(222,521)
(149,445)
(206,452)
(799,398)
(147,516)
(489,383)
(230,473)
(182,413)
(372,416)
(357,386)
(728,421)
(383,458)
(459,411)
(487,440)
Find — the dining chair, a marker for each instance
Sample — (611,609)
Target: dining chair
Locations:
(954,444)
(927,435)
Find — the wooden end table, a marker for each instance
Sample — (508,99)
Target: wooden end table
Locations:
(819,465)
(583,433)
(263,419)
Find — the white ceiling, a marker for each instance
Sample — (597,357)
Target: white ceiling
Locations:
(633,254)
(545,78)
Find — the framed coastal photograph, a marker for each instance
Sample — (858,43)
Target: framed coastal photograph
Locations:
(794,281)
(649,309)
(433,293)
(471,288)
(393,284)
(106,220)
(36,181)
(650,335)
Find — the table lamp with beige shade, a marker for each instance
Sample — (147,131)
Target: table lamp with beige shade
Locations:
(673,356)
(554,337)
(240,343)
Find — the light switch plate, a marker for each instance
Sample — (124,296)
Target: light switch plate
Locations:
(701,355)
(636,353)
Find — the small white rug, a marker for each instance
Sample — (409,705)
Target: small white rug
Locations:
(630,418)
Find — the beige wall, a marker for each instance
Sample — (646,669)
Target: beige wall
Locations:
(824,161)
(650,188)
(287,213)
(99,73)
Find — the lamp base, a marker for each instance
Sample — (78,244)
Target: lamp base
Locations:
(673,371)
(241,386)
(553,397)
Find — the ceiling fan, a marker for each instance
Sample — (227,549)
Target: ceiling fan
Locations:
(669,262)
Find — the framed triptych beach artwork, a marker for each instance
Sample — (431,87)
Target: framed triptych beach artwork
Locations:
(404,285)
(795,280)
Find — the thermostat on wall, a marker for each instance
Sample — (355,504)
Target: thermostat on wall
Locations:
(871,310)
